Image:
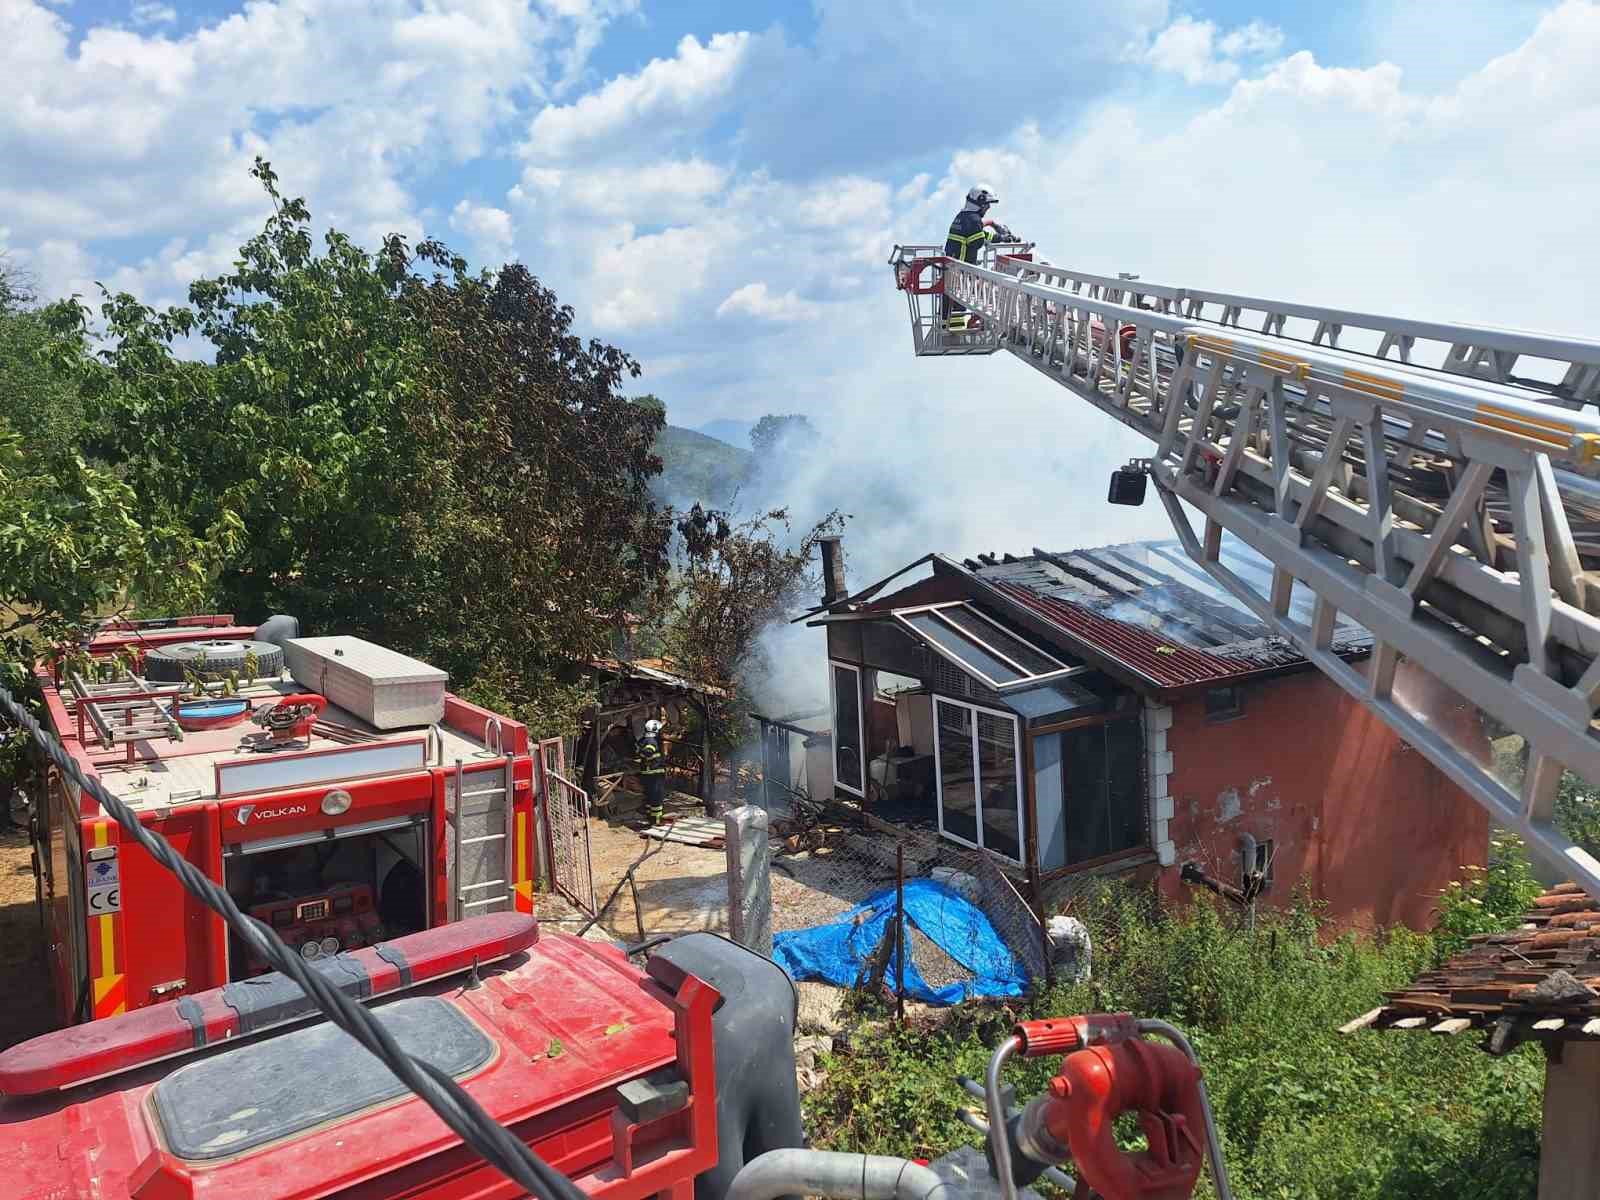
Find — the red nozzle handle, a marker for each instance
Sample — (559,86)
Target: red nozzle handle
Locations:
(1053,1035)
(1063,1035)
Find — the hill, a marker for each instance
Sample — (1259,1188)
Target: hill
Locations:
(696,467)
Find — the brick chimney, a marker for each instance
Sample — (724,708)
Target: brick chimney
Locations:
(833,588)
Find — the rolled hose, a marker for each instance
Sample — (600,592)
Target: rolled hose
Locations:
(840,1176)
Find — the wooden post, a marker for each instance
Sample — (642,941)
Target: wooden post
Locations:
(591,764)
(1569,1151)
(708,776)
(900,932)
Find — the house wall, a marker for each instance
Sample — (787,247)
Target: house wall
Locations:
(1374,827)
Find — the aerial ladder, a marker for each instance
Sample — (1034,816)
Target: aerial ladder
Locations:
(1439,484)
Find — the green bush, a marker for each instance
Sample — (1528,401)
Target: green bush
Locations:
(1304,1111)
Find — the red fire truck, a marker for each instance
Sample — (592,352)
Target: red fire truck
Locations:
(331,785)
(661,1081)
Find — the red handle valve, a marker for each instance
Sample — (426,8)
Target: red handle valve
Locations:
(1063,1035)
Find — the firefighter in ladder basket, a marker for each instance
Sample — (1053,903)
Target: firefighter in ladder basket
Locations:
(970,230)
(652,767)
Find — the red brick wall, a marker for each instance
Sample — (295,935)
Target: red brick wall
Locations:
(1373,826)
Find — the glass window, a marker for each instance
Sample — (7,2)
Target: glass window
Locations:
(1031,659)
(980,644)
(953,642)
(997,770)
(847,727)
(1101,792)
(979,800)
(958,802)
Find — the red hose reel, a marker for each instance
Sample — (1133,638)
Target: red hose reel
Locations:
(1109,1069)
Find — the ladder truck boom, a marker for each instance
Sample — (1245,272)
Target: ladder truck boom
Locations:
(1440,488)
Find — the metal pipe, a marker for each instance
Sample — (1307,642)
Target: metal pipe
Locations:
(999,1142)
(1219,1172)
(839,1176)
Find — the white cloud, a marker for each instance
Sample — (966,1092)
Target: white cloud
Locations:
(647,280)
(149,13)
(658,192)
(1192,49)
(143,134)
(667,91)
(1254,38)
(754,300)
(491,229)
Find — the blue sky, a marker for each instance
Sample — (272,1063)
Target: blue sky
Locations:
(715,186)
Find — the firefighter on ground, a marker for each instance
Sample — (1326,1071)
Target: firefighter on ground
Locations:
(968,233)
(652,766)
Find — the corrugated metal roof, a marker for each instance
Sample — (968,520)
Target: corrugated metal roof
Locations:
(1150,608)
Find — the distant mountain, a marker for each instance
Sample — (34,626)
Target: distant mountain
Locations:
(725,429)
(698,468)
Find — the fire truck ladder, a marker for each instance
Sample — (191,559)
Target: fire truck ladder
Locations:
(125,709)
(479,809)
(1422,488)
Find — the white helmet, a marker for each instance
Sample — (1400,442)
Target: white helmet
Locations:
(982,197)
(652,727)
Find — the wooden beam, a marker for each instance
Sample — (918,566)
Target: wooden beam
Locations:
(1361,1022)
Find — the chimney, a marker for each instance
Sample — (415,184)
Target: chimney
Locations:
(833,588)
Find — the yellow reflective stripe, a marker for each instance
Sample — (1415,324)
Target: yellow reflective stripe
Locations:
(1374,385)
(1215,345)
(522,848)
(1283,363)
(1545,430)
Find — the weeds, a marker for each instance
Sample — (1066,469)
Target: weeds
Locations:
(1304,1111)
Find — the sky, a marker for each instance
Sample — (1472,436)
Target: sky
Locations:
(715,187)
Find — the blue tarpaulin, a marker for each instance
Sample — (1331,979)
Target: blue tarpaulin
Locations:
(838,952)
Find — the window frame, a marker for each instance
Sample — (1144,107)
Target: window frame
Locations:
(1029,679)
(977,774)
(1146,844)
(1219,715)
(861,729)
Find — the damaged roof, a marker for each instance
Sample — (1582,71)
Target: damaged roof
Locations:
(1541,980)
(660,671)
(1147,606)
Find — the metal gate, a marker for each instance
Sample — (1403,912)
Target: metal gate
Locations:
(566,807)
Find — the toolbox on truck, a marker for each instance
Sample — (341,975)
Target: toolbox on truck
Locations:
(383,687)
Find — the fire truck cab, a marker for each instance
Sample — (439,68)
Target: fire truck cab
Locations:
(333,786)
(660,1081)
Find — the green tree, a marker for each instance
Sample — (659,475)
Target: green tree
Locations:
(418,454)
(733,582)
(75,543)
(775,435)
(550,519)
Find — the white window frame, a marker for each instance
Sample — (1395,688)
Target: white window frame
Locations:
(861,728)
(977,775)
(1028,678)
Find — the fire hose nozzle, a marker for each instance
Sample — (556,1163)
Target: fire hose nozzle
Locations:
(1063,1035)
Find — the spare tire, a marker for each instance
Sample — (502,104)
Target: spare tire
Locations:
(210,660)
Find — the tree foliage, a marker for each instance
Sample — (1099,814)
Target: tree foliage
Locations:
(75,543)
(415,453)
(775,435)
(734,580)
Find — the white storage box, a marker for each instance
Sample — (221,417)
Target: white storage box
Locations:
(383,687)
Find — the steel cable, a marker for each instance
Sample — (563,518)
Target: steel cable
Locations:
(458,1110)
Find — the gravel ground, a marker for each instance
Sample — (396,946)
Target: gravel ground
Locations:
(938,968)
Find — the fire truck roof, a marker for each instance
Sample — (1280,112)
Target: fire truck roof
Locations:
(307,1111)
(236,760)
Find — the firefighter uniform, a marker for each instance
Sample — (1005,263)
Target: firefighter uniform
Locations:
(969,232)
(652,770)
